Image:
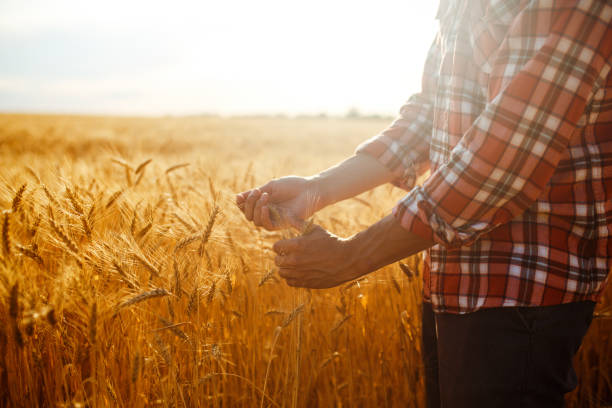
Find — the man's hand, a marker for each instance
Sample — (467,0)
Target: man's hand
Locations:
(281,203)
(317,260)
(287,201)
(322,260)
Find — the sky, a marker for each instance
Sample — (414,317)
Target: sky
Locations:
(132,57)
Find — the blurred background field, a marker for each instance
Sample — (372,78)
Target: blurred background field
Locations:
(129,278)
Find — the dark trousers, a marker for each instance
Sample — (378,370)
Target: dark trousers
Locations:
(519,357)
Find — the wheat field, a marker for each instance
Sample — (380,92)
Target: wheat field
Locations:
(128,277)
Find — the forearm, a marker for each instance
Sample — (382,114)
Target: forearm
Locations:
(320,260)
(349,178)
(383,243)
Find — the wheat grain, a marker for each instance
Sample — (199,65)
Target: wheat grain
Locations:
(186,241)
(65,239)
(266,277)
(33,228)
(407,270)
(211,292)
(144,231)
(148,265)
(141,297)
(113,198)
(86,227)
(177,279)
(18,336)
(294,313)
(174,328)
(340,323)
(193,300)
(50,197)
(90,213)
(176,167)
(75,203)
(135,368)
(209,227)
(142,166)
(396,284)
(30,253)
(16,205)
(6,235)
(139,178)
(127,168)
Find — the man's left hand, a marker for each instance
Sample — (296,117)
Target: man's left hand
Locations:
(321,260)
(317,260)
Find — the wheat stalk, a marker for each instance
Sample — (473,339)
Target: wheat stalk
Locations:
(30,253)
(294,313)
(211,292)
(148,265)
(186,241)
(277,332)
(65,239)
(174,328)
(75,203)
(17,200)
(141,297)
(266,277)
(50,197)
(113,198)
(14,301)
(142,166)
(144,231)
(176,167)
(6,235)
(93,322)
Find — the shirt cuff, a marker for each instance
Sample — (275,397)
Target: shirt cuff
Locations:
(416,213)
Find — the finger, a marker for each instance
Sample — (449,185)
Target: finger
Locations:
(250,204)
(241,197)
(295,283)
(287,260)
(266,220)
(288,273)
(263,200)
(286,245)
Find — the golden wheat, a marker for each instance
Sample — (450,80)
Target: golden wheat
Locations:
(136,285)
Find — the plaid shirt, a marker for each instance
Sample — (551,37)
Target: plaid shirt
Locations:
(514,121)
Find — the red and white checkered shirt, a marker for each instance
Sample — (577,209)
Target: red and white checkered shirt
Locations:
(514,121)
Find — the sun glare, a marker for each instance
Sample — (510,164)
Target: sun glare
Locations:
(220,57)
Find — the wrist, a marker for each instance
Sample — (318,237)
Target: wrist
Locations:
(357,251)
(318,187)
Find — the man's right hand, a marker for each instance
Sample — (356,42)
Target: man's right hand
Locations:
(281,203)
(288,201)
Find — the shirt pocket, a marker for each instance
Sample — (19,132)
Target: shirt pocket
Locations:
(488,32)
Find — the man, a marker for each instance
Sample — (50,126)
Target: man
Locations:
(514,121)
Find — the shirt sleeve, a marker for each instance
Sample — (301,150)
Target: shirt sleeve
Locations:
(504,161)
(403,147)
